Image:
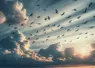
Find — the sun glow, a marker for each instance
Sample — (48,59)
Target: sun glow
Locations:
(83,52)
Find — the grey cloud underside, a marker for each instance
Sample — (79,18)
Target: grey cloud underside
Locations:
(14,50)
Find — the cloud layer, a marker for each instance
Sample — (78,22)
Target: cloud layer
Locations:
(17,46)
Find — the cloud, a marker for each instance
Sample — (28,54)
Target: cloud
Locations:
(2,17)
(52,50)
(16,47)
(15,12)
(16,38)
(19,13)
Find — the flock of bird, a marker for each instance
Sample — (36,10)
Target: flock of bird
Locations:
(59,25)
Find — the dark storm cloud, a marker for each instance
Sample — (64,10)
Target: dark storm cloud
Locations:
(53,51)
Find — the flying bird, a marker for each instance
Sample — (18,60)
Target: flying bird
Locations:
(37,31)
(15,27)
(70,21)
(85,10)
(85,22)
(77,37)
(56,11)
(76,30)
(91,27)
(90,5)
(46,39)
(78,26)
(58,36)
(86,37)
(92,34)
(31,34)
(61,27)
(80,34)
(31,14)
(63,35)
(78,17)
(38,5)
(31,22)
(69,16)
(45,19)
(86,33)
(48,18)
(93,16)
(22,24)
(38,17)
(33,42)
(53,25)
(25,19)
(75,9)
(48,36)
(68,29)
(75,0)
(28,38)
(58,25)
(9,24)
(62,13)
(39,23)
(37,38)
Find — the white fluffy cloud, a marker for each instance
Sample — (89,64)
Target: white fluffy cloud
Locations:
(19,13)
(16,13)
(2,17)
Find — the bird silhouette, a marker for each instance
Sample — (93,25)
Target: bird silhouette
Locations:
(31,34)
(80,34)
(85,10)
(58,36)
(68,29)
(48,36)
(56,11)
(63,35)
(69,16)
(15,27)
(9,24)
(77,37)
(85,22)
(37,38)
(53,25)
(58,25)
(86,33)
(38,5)
(78,26)
(61,27)
(78,17)
(70,21)
(31,14)
(38,16)
(90,5)
(91,27)
(75,9)
(48,18)
(33,42)
(28,38)
(31,22)
(37,31)
(45,19)
(76,30)
(62,13)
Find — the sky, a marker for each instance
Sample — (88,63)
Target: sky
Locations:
(70,22)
